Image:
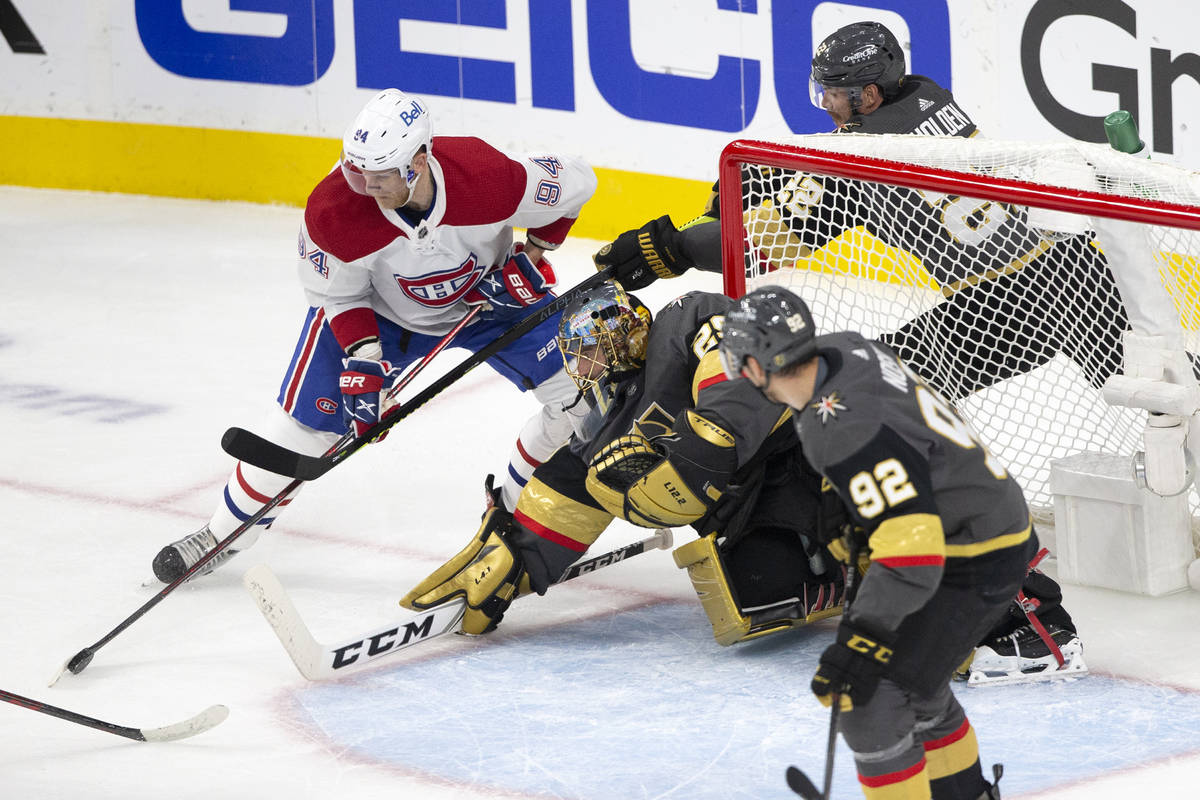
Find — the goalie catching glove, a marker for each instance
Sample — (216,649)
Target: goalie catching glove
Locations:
(487,573)
(668,481)
(633,480)
(640,257)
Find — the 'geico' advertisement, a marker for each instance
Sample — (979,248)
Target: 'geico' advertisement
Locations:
(646,86)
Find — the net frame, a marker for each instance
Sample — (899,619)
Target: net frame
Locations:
(915,176)
(809,155)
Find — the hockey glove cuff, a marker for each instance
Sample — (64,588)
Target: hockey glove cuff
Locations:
(852,666)
(364,384)
(644,255)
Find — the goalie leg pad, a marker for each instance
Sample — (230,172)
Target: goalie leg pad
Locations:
(487,572)
(772,609)
(708,577)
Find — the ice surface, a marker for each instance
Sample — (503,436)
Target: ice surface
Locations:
(134,330)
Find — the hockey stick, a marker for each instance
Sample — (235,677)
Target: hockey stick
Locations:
(253,449)
(797,781)
(78,662)
(205,720)
(318,661)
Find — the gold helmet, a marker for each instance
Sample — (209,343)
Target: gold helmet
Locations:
(603,331)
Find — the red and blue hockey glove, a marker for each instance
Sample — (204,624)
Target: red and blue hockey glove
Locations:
(517,285)
(364,383)
(852,666)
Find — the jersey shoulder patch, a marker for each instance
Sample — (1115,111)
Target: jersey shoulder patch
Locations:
(482,185)
(345,224)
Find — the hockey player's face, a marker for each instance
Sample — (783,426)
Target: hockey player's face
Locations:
(387,186)
(836,102)
(591,362)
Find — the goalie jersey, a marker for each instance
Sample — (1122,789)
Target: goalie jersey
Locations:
(912,474)
(678,400)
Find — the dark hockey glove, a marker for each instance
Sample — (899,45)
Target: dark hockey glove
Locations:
(852,666)
(644,255)
(364,384)
(514,287)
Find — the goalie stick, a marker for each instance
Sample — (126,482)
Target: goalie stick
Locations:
(318,661)
(247,446)
(79,662)
(205,720)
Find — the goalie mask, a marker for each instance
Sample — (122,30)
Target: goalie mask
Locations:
(387,134)
(604,331)
(855,56)
(772,324)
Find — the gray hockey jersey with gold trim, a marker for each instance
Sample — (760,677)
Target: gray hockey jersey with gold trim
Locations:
(911,472)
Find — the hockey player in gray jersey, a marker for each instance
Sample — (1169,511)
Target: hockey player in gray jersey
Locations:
(947,530)
(668,441)
(858,77)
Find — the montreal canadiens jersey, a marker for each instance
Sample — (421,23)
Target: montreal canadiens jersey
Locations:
(355,254)
(912,473)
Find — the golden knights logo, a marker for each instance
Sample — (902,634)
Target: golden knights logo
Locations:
(828,406)
(445,288)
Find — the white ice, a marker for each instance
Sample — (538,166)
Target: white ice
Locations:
(134,331)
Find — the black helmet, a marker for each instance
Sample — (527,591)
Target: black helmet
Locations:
(772,324)
(856,55)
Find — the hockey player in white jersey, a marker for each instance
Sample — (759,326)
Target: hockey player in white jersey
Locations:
(395,248)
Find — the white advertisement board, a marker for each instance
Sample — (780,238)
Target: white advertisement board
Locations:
(647,86)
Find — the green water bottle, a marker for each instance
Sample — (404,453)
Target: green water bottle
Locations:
(1122,134)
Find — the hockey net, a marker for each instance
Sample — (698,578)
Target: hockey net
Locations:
(980,263)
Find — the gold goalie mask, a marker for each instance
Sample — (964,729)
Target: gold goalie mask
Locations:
(603,331)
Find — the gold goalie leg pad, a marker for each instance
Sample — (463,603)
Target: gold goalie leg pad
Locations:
(487,572)
(731,623)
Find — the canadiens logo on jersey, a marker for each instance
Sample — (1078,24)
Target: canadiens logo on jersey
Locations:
(828,406)
(445,288)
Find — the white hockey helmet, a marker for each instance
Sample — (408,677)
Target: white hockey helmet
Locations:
(387,134)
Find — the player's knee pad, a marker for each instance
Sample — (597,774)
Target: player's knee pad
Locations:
(487,572)
(751,591)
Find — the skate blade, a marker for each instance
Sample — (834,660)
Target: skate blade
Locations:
(1073,669)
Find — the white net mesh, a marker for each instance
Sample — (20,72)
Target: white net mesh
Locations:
(1013,311)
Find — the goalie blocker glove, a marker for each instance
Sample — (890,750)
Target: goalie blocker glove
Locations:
(642,256)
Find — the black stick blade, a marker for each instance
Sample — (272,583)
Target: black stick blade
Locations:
(799,783)
(254,449)
(80,660)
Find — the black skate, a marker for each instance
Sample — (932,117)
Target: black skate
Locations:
(1023,656)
